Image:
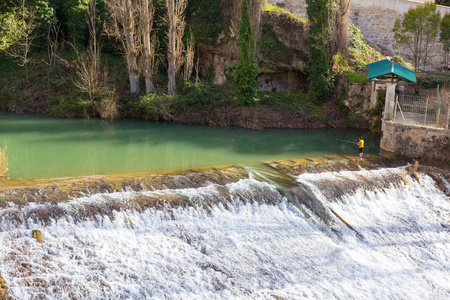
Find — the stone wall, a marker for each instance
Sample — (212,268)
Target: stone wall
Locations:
(421,143)
(376,19)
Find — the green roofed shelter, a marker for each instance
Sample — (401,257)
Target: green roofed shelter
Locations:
(389,70)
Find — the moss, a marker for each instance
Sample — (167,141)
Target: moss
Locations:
(280,10)
(271,48)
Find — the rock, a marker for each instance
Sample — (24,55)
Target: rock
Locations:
(3,289)
(38,236)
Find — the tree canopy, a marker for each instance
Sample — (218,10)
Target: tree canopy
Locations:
(417,32)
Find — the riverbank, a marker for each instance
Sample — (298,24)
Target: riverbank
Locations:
(51,92)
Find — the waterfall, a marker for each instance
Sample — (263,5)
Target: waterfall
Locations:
(360,233)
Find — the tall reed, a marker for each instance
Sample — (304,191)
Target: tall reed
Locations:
(3,163)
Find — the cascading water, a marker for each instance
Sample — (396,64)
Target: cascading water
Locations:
(360,234)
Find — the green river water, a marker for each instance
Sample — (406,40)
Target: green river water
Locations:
(41,147)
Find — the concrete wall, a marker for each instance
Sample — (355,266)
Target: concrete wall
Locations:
(376,19)
(422,143)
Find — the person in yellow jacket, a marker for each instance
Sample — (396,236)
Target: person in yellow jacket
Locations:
(361,146)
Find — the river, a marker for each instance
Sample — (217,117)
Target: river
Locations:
(331,227)
(42,147)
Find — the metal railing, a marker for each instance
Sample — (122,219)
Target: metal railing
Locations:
(423,111)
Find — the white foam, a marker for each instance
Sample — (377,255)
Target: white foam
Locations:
(246,250)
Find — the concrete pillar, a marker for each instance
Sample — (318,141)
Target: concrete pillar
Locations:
(390,101)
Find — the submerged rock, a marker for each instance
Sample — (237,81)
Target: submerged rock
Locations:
(3,289)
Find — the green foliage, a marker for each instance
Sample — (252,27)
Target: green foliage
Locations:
(319,65)
(8,35)
(417,31)
(75,12)
(290,102)
(156,107)
(70,106)
(271,48)
(359,49)
(246,70)
(202,96)
(341,64)
(205,19)
(377,109)
(445,32)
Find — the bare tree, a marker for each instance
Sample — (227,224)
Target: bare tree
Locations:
(88,64)
(52,45)
(22,26)
(176,24)
(122,26)
(92,77)
(146,18)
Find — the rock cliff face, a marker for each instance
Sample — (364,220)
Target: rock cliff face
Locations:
(282,53)
(217,58)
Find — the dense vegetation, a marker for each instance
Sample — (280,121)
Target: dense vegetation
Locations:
(70,58)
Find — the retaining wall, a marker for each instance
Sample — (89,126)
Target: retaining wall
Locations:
(417,142)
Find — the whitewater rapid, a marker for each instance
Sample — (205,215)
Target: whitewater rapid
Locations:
(254,245)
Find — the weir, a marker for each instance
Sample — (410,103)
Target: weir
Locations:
(332,226)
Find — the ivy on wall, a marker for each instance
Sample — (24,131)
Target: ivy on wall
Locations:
(319,66)
(246,69)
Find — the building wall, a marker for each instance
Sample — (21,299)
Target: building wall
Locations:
(376,19)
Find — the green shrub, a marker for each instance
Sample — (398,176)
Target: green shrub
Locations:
(201,96)
(156,107)
(359,49)
(69,107)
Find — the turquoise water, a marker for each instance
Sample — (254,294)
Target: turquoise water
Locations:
(41,147)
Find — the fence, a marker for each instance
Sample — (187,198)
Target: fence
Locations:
(430,111)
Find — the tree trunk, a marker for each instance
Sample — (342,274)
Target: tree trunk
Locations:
(147,21)
(171,47)
(133,74)
(131,48)
(171,61)
(176,24)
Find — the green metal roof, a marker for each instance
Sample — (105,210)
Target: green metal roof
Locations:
(386,67)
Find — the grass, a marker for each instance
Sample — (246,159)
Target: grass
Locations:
(357,79)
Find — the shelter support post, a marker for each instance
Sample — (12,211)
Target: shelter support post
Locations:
(390,101)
